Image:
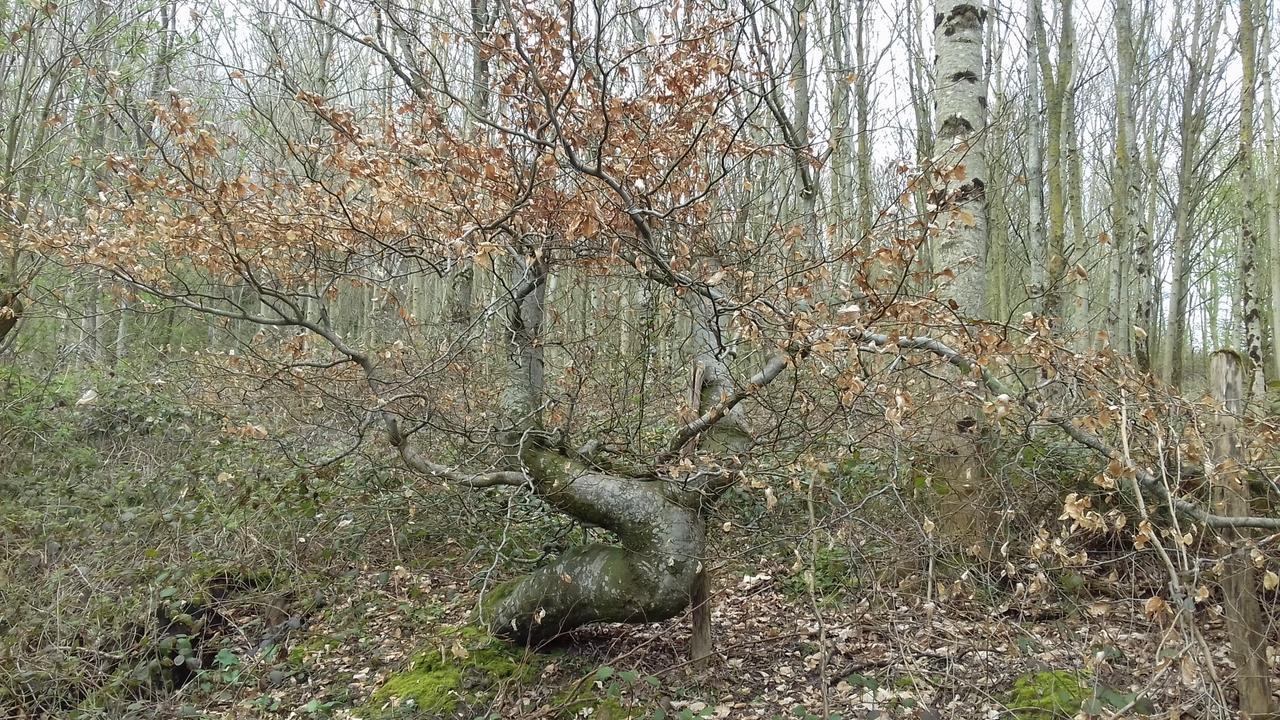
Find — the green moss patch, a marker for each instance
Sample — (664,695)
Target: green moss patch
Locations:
(1063,694)
(464,667)
(1048,695)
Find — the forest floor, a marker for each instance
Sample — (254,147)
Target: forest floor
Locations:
(158,563)
(888,657)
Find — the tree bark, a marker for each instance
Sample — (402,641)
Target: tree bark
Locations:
(1246,625)
(1001,180)
(918,81)
(862,114)
(1271,193)
(651,576)
(1038,248)
(960,117)
(701,643)
(1202,44)
(1124,210)
(1057,82)
(840,183)
(960,245)
(10,312)
(1250,275)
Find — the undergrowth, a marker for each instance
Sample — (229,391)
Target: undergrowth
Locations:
(142,546)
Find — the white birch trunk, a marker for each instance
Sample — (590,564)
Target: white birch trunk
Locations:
(959,122)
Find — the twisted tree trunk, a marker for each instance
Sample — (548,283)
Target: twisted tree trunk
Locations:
(650,576)
(655,571)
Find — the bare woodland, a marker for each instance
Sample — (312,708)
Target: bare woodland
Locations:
(817,359)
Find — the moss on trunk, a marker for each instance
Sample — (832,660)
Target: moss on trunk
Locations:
(650,577)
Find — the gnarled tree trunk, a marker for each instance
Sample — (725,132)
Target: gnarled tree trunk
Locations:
(657,569)
(650,576)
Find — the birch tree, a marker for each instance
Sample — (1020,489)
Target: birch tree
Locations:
(959,249)
(1250,270)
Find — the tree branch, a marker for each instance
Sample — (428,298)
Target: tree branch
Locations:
(772,369)
(1148,481)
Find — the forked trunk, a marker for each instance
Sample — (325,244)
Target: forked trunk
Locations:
(654,572)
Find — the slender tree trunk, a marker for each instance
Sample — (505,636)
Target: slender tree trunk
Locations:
(1057,82)
(842,202)
(462,284)
(919,82)
(998,186)
(122,333)
(1246,624)
(1124,210)
(1250,275)
(1200,55)
(960,117)
(1271,192)
(1078,251)
(1038,247)
(89,325)
(862,112)
(702,640)
(1150,286)
(799,71)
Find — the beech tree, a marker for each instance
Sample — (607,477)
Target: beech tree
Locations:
(579,254)
(597,160)
(576,168)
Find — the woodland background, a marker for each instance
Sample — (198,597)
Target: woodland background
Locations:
(865,358)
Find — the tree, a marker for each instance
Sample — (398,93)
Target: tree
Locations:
(959,249)
(1200,55)
(1124,204)
(959,242)
(577,171)
(1271,194)
(1246,625)
(635,197)
(1250,272)
(1038,246)
(1057,77)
